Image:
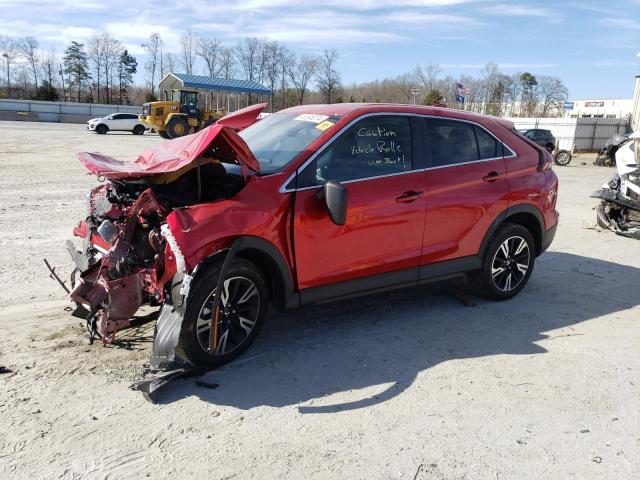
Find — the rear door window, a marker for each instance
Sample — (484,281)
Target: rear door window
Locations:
(451,142)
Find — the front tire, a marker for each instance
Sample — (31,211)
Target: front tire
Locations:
(507,263)
(102,129)
(177,127)
(241,313)
(163,134)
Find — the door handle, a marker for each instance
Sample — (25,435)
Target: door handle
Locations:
(491,177)
(408,196)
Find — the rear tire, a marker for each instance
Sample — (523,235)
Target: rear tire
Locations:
(549,147)
(507,263)
(163,134)
(138,130)
(102,129)
(177,127)
(243,308)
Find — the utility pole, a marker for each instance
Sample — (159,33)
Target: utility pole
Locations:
(64,93)
(4,55)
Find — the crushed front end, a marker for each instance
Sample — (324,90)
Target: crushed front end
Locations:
(125,261)
(127,255)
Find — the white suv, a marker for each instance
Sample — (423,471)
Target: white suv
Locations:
(127,122)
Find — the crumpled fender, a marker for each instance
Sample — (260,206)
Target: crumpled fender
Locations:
(257,210)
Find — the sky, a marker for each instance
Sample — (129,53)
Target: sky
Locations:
(591,45)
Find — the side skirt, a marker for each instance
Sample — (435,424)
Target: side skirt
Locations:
(391,280)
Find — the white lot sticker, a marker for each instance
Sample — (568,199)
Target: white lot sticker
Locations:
(311,117)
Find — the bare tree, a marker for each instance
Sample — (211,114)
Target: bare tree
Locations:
(169,64)
(209,50)
(153,49)
(95,55)
(188,51)
(227,62)
(9,49)
(302,72)
(48,67)
(29,51)
(428,76)
(104,54)
(272,67)
(552,94)
(287,63)
(328,77)
(247,53)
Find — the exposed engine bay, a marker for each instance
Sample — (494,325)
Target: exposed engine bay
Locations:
(127,255)
(126,260)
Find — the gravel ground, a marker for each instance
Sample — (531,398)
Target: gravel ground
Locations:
(414,386)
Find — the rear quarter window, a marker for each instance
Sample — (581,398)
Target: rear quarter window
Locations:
(489,147)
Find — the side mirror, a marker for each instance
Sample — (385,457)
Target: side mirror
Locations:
(335,198)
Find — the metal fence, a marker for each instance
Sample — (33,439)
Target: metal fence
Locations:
(56,111)
(593,133)
(577,134)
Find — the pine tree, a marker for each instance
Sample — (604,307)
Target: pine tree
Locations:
(76,65)
(47,92)
(127,67)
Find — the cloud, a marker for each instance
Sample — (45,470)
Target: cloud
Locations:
(504,66)
(413,17)
(616,63)
(624,23)
(252,5)
(516,10)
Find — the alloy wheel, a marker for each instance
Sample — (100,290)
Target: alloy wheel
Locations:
(563,158)
(510,264)
(234,319)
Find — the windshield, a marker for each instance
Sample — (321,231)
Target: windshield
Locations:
(277,139)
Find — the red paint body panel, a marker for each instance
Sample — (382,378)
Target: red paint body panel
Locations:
(258,210)
(241,119)
(380,234)
(460,208)
(173,155)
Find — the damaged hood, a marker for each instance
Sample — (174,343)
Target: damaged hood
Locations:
(179,154)
(241,119)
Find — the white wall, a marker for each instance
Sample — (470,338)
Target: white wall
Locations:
(564,129)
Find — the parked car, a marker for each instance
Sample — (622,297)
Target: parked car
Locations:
(127,122)
(312,203)
(542,137)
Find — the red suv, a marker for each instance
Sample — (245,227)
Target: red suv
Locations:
(310,204)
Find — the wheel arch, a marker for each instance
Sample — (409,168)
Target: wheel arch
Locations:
(526,215)
(271,263)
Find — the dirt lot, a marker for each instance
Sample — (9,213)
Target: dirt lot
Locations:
(412,386)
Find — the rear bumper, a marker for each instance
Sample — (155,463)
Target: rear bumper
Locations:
(548,236)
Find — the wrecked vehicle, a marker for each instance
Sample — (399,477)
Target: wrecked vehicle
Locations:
(310,204)
(619,209)
(607,154)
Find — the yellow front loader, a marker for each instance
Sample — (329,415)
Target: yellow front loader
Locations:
(179,116)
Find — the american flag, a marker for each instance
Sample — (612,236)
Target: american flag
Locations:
(461,89)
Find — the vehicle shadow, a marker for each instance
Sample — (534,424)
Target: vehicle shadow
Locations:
(385,340)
